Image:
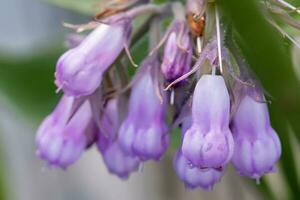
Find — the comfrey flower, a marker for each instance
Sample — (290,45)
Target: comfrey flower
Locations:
(79,71)
(257,146)
(178,51)
(208,143)
(144,131)
(194,177)
(117,161)
(114,158)
(63,136)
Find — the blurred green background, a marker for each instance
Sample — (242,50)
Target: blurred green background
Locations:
(31,40)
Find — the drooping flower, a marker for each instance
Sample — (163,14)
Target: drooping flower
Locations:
(178,51)
(144,131)
(257,146)
(208,143)
(194,177)
(114,158)
(63,135)
(79,70)
(118,162)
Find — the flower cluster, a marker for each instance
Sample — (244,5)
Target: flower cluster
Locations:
(222,112)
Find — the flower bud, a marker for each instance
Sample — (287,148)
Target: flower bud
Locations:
(79,70)
(117,162)
(208,143)
(144,131)
(115,159)
(177,53)
(195,6)
(61,138)
(194,177)
(257,146)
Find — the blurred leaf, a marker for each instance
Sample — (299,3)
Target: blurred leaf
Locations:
(3,193)
(175,141)
(287,161)
(86,7)
(265,189)
(139,50)
(263,49)
(30,83)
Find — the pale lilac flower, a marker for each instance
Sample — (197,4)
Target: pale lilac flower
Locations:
(114,158)
(117,162)
(194,177)
(208,143)
(63,136)
(178,52)
(73,40)
(195,6)
(79,71)
(144,131)
(257,146)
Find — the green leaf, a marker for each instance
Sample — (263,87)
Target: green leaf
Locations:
(86,7)
(30,83)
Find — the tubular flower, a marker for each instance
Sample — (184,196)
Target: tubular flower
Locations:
(114,158)
(178,52)
(208,143)
(144,131)
(117,162)
(79,71)
(194,177)
(257,146)
(62,137)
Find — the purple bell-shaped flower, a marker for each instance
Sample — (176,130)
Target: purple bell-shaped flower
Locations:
(79,70)
(257,146)
(64,135)
(114,158)
(144,131)
(208,143)
(194,177)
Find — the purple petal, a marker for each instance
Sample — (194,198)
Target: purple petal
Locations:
(79,71)
(257,146)
(194,177)
(176,61)
(59,141)
(208,143)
